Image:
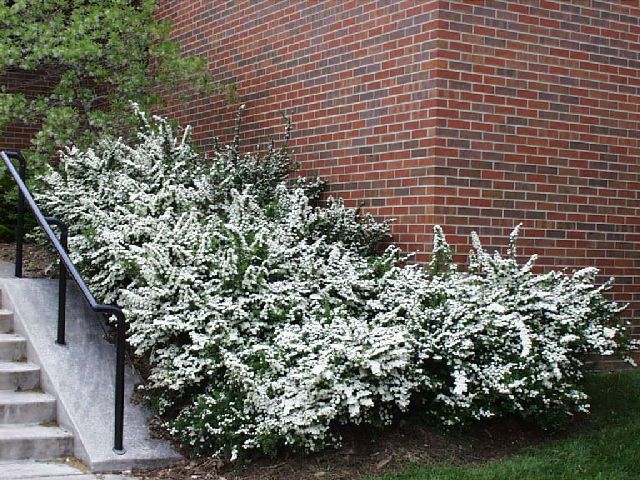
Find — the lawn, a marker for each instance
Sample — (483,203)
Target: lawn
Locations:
(610,450)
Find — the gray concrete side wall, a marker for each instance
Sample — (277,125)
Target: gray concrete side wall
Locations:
(81,375)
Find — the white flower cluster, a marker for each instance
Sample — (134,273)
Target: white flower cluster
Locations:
(268,321)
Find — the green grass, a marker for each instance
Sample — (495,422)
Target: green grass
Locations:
(610,451)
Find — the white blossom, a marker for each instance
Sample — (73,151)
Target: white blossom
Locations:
(268,320)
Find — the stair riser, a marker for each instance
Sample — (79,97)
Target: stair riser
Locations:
(35,449)
(12,351)
(40,412)
(19,380)
(6,323)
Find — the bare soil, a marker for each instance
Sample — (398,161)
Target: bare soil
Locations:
(38,261)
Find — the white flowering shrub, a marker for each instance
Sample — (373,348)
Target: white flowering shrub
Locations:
(268,320)
(500,339)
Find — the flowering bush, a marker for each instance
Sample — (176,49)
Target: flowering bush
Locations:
(268,320)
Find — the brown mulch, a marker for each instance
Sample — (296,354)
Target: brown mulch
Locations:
(37,260)
(366,453)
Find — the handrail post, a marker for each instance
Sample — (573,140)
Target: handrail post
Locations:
(118,440)
(62,281)
(121,326)
(22,171)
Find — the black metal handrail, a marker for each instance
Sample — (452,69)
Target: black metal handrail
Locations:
(67,266)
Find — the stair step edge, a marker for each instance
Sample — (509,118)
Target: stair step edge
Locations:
(21,431)
(11,397)
(18,367)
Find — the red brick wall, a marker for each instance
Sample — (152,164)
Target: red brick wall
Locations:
(358,79)
(19,135)
(538,121)
(475,115)
(16,137)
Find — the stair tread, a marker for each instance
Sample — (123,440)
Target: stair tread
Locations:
(18,367)
(11,432)
(11,337)
(11,397)
(4,311)
(37,469)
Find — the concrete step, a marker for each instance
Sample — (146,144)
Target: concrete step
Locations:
(12,347)
(19,376)
(6,321)
(26,407)
(57,470)
(30,470)
(34,442)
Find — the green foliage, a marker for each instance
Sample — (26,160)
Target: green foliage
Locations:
(442,255)
(96,56)
(8,199)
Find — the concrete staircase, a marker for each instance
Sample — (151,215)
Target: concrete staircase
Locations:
(75,417)
(28,428)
